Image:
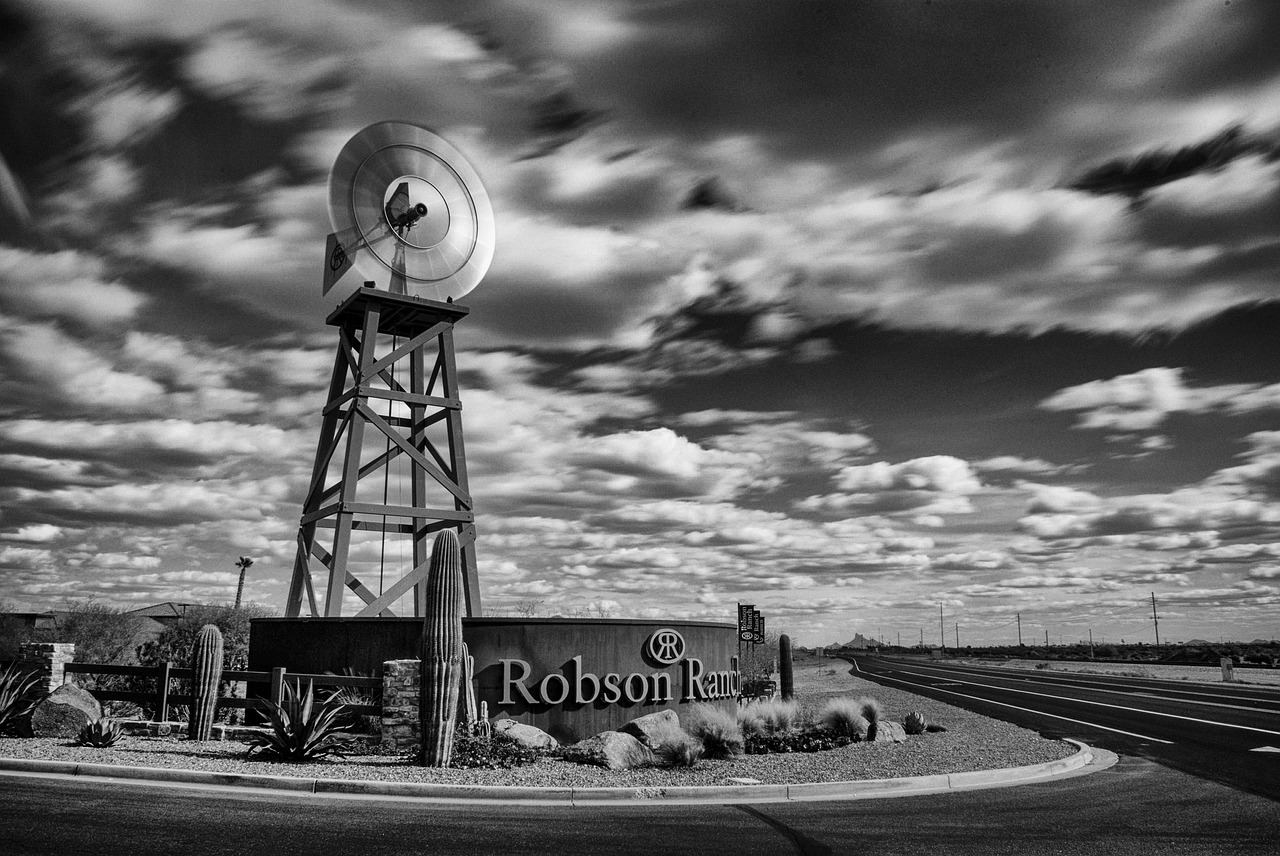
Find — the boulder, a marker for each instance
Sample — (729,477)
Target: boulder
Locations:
(661,733)
(66,710)
(529,736)
(656,729)
(890,732)
(612,750)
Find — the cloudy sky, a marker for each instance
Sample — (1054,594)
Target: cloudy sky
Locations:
(850,310)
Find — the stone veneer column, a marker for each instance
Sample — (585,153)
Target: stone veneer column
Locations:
(49,660)
(401,729)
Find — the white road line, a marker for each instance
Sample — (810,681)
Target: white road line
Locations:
(1149,692)
(1027,710)
(1084,677)
(1107,705)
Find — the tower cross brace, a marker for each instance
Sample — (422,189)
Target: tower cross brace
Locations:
(420,425)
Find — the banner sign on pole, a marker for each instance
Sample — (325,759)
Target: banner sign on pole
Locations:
(746,629)
(758,627)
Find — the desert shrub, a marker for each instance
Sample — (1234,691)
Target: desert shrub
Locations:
(817,740)
(100,734)
(680,752)
(490,751)
(844,717)
(914,723)
(777,715)
(750,720)
(719,731)
(19,695)
(101,633)
(357,722)
(870,709)
(301,729)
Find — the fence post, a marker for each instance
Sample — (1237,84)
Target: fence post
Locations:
(162,691)
(277,685)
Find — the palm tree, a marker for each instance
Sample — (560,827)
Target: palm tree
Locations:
(243,564)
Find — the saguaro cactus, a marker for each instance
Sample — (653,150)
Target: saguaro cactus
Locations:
(441,652)
(784,667)
(206,662)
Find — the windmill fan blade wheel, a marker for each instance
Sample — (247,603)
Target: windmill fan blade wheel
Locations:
(441,236)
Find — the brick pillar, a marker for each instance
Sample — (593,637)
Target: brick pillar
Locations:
(401,730)
(49,660)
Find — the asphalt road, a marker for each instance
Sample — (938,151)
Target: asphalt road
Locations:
(1135,808)
(1225,733)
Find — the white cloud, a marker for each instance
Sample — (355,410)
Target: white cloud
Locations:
(36,533)
(63,284)
(209,439)
(941,473)
(1143,400)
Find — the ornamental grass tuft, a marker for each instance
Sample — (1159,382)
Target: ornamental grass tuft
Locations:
(776,715)
(844,717)
(718,729)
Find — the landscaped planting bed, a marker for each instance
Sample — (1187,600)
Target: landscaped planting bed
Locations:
(971,742)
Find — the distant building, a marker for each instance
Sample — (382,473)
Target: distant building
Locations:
(166,613)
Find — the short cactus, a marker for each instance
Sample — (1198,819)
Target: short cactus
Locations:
(785,671)
(442,663)
(914,723)
(206,663)
(101,733)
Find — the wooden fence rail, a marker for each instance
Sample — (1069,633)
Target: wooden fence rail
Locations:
(164,674)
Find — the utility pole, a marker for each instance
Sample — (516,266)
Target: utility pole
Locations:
(921,637)
(1156,619)
(957,636)
(1046,637)
(1019,629)
(1090,643)
(942,628)
(899,638)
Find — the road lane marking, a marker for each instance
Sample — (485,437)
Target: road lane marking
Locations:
(1023,709)
(1060,680)
(1105,704)
(1050,676)
(1265,749)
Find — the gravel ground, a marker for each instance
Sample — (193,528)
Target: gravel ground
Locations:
(1200,674)
(971,742)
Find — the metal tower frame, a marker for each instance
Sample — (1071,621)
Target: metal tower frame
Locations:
(361,384)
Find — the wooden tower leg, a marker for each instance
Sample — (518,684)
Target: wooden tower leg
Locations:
(333,512)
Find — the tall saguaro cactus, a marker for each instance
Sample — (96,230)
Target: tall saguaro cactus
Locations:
(784,667)
(206,662)
(441,651)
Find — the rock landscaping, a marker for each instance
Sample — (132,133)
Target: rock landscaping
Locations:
(970,742)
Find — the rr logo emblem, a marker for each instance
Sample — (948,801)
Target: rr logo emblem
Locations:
(338,259)
(666,646)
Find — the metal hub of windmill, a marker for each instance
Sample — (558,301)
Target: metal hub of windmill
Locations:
(409,212)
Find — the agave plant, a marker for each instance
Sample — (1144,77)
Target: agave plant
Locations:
(302,729)
(100,733)
(19,695)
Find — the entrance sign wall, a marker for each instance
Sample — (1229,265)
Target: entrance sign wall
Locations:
(570,677)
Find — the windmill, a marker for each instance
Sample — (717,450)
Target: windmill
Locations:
(410,214)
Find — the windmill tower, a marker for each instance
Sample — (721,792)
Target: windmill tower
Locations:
(390,467)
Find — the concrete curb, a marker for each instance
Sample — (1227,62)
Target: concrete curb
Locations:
(1074,764)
